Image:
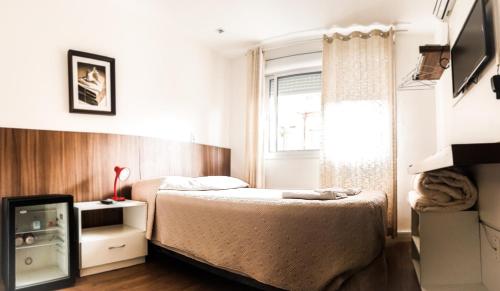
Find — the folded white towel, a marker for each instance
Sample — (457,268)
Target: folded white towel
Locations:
(340,191)
(312,195)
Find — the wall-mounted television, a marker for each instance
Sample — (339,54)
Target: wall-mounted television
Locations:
(473,48)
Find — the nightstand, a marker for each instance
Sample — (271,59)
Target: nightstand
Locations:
(111,247)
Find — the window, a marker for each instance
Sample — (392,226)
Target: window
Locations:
(294,112)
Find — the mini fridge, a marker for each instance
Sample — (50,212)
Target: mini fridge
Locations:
(38,242)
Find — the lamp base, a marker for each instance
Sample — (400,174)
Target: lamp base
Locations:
(119,198)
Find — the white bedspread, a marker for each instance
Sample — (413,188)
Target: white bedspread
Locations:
(287,243)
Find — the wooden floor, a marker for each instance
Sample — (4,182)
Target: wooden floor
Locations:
(400,268)
(170,274)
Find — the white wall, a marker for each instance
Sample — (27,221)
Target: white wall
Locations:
(238,104)
(416,121)
(292,173)
(471,118)
(166,85)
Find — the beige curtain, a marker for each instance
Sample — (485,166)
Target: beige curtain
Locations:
(358,107)
(254,134)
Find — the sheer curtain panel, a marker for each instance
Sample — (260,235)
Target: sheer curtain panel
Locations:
(254,132)
(358,110)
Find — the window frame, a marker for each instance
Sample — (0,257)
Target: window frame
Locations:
(296,154)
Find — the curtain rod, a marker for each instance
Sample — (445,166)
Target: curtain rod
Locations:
(286,44)
(294,55)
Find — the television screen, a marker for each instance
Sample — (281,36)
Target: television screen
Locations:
(471,50)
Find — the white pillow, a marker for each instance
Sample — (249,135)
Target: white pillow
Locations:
(201,183)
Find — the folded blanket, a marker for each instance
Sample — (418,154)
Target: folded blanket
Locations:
(442,190)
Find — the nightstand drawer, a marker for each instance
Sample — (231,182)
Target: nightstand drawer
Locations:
(100,252)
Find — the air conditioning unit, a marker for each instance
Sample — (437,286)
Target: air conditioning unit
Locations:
(442,8)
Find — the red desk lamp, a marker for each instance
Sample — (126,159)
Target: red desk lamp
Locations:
(122,174)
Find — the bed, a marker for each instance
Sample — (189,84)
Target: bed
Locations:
(290,244)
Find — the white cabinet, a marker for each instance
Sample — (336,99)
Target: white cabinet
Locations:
(446,250)
(106,248)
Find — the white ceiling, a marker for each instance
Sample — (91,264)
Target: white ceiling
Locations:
(250,22)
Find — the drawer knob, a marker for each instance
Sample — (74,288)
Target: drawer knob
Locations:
(116,247)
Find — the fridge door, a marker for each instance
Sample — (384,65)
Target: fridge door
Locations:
(41,244)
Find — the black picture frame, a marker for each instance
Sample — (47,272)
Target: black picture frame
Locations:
(83,99)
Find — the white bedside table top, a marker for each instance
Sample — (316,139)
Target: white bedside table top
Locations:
(95,205)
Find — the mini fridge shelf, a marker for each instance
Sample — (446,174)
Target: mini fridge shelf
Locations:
(42,243)
(50,273)
(23,211)
(50,229)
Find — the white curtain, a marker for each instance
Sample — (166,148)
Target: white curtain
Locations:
(358,109)
(254,134)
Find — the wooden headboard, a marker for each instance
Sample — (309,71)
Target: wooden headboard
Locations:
(40,161)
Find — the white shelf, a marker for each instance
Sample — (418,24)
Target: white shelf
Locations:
(416,241)
(35,211)
(54,228)
(446,255)
(458,155)
(464,287)
(439,160)
(416,266)
(107,232)
(42,243)
(96,205)
(46,274)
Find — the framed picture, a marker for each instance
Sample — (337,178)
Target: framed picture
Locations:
(91,83)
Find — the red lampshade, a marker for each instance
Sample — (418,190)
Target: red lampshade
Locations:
(122,174)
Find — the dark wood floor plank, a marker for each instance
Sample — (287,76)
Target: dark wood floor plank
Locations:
(400,268)
(172,275)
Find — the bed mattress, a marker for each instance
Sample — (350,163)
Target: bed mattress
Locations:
(286,243)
